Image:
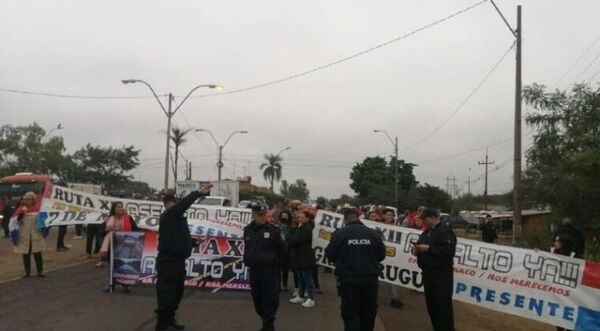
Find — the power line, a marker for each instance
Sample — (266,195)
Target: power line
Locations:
(586,69)
(348,58)
(69,96)
(277,81)
(465,101)
(577,61)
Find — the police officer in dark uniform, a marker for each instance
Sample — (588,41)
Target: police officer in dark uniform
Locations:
(174,247)
(264,250)
(356,251)
(435,256)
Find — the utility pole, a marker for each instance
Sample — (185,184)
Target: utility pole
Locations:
(451,188)
(169,116)
(485,190)
(517,148)
(220,162)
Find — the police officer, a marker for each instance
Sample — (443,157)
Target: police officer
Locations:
(356,251)
(435,256)
(264,250)
(174,247)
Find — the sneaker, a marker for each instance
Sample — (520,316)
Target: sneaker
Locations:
(68,245)
(309,303)
(297,299)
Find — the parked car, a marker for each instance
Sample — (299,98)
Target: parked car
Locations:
(456,222)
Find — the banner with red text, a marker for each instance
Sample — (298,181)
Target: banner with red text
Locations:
(215,264)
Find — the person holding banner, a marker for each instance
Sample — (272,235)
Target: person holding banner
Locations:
(26,235)
(174,247)
(120,221)
(435,256)
(264,250)
(356,252)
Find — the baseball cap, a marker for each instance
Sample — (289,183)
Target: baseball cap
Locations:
(169,197)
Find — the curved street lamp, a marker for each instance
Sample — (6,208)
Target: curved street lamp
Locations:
(169,112)
(220,147)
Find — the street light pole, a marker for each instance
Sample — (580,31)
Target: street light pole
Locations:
(169,113)
(396,179)
(220,147)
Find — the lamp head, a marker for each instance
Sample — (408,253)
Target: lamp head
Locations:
(128,81)
(376,130)
(244,131)
(216,87)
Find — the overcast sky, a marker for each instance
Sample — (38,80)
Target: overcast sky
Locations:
(408,88)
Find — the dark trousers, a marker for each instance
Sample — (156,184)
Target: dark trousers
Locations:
(315,275)
(94,232)
(264,285)
(285,272)
(78,229)
(169,288)
(60,241)
(359,305)
(5,226)
(39,264)
(438,285)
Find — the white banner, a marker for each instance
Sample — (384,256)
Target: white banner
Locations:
(553,289)
(65,199)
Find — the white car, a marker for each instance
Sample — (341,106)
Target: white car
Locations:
(213,200)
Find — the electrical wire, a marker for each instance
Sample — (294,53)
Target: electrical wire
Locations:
(577,61)
(464,102)
(277,81)
(69,96)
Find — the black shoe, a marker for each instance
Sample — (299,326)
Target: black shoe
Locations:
(62,249)
(396,304)
(41,275)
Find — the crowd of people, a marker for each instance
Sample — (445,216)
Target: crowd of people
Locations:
(279,243)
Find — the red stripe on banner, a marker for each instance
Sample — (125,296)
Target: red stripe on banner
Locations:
(591,275)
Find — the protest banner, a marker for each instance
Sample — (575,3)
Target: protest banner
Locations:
(144,212)
(216,263)
(553,289)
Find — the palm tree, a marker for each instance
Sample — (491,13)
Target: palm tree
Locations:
(272,168)
(178,139)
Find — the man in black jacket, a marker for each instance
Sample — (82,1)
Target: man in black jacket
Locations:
(488,231)
(435,256)
(578,241)
(174,247)
(356,251)
(264,249)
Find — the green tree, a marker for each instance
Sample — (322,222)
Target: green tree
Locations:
(178,138)
(429,196)
(298,190)
(108,166)
(272,168)
(322,201)
(27,149)
(563,165)
(373,180)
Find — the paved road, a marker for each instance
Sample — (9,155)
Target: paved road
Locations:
(71,299)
